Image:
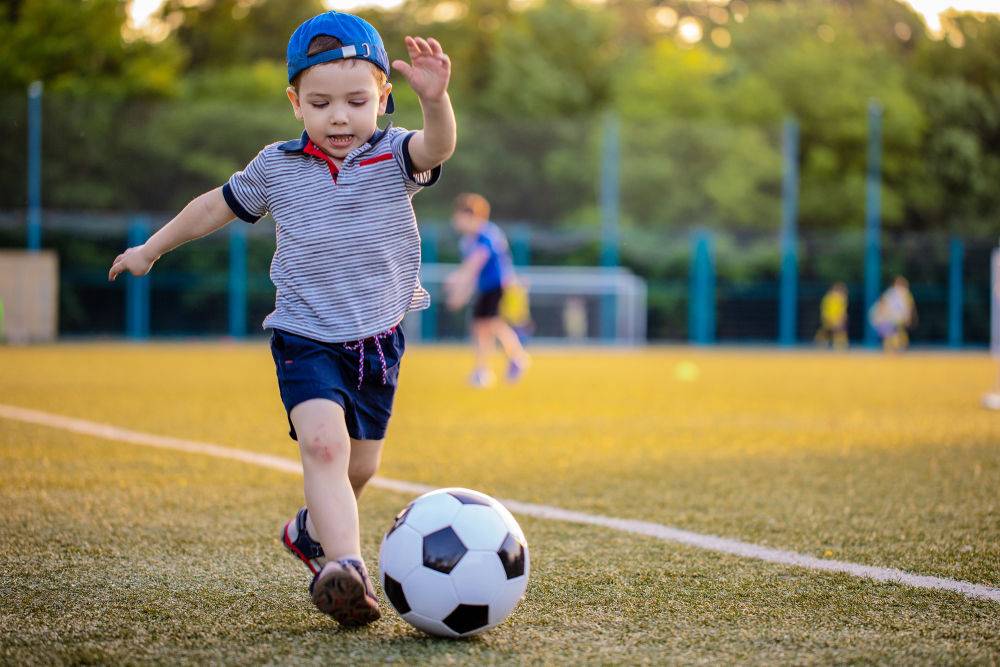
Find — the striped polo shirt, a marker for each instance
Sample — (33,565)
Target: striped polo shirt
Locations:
(347,261)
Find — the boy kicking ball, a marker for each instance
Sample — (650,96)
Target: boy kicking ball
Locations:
(346,269)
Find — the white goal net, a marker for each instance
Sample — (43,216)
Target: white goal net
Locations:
(570,304)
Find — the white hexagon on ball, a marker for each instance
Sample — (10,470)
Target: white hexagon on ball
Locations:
(478,577)
(506,599)
(429,625)
(401,552)
(432,511)
(430,593)
(480,527)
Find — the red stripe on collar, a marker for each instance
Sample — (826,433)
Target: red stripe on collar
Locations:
(314,150)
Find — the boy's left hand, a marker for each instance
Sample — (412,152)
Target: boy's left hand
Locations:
(429,68)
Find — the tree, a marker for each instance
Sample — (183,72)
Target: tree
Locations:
(823,70)
(79,47)
(224,33)
(959,84)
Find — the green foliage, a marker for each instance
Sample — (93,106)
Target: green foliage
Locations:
(557,60)
(78,46)
(222,33)
(961,152)
(822,69)
(533,82)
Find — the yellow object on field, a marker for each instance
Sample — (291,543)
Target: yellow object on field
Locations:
(687,371)
(833,309)
(514,305)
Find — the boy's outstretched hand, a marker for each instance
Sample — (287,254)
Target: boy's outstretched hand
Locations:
(429,68)
(134,260)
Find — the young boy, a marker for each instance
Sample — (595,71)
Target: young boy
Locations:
(893,314)
(833,318)
(486,269)
(345,267)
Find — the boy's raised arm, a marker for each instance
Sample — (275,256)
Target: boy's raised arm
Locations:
(428,74)
(205,214)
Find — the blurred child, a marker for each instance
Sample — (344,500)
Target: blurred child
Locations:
(833,318)
(346,270)
(893,314)
(574,317)
(486,271)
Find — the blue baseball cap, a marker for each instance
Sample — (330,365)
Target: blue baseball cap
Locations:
(359,38)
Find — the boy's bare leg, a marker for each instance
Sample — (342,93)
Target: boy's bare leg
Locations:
(482,340)
(509,341)
(342,588)
(365,458)
(325,450)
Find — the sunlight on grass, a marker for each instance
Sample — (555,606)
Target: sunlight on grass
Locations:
(157,556)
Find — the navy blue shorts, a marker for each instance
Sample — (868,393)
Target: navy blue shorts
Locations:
(487,304)
(308,368)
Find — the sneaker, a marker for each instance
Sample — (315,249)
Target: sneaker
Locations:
(482,379)
(516,368)
(299,543)
(343,590)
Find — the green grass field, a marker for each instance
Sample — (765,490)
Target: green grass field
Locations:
(111,552)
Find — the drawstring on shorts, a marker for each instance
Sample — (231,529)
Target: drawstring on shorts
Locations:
(359,347)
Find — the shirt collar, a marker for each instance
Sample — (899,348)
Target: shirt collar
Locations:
(299,145)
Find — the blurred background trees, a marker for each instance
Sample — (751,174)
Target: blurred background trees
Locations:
(147,119)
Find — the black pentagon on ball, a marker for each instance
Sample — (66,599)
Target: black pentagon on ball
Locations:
(511,554)
(468,498)
(400,518)
(468,617)
(394,591)
(442,550)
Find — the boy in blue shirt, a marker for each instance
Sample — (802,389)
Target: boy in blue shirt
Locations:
(487,270)
(346,268)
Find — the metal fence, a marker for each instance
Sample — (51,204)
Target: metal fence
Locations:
(703,286)
(704,212)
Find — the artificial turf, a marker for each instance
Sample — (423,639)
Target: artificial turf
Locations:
(113,553)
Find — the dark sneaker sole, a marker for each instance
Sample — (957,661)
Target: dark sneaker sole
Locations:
(341,594)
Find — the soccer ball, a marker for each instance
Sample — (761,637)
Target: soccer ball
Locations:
(454,563)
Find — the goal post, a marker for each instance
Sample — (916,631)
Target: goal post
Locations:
(568,304)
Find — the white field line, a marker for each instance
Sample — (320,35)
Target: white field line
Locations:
(659,531)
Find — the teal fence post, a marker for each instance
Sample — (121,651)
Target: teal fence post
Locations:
(610,195)
(35,166)
(520,246)
(137,288)
(873,218)
(788,300)
(701,306)
(429,255)
(610,215)
(237,280)
(955,292)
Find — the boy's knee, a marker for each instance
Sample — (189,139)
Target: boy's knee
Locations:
(360,473)
(323,447)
